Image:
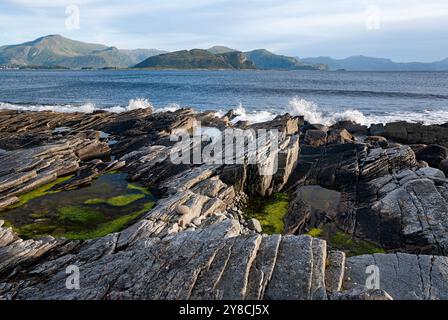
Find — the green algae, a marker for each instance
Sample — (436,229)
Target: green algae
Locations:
(136,187)
(108,227)
(339,240)
(118,201)
(315,232)
(35,230)
(106,206)
(39,192)
(269,211)
(353,246)
(80,215)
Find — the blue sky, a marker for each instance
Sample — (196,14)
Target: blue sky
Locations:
(404,30)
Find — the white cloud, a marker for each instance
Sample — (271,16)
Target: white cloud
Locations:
(286,25)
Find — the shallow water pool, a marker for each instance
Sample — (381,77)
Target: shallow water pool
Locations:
(108,205)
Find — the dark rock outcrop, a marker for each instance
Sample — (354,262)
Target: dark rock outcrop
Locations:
(194,243)
(412,133)
(433,155)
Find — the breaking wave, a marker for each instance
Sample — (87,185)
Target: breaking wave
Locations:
(253,117)
(311,113)
(133,104)
(296,106)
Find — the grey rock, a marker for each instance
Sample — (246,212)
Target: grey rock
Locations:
(254,225)
(334,272)
(402,276)
(362,293)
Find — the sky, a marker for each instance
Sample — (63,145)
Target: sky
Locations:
(403,30)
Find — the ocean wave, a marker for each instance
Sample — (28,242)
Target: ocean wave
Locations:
(252,117)
(133,104)
(310,110)
(311,113)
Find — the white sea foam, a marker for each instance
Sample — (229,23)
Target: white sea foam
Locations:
(133,104)
(296,106)
(311,113)
(172,107)
(252,117)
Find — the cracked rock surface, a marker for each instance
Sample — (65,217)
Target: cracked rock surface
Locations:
(192,244)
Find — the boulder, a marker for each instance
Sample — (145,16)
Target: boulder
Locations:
(351,126)
(444,166)
(433,155)
(315,126)
(412,133)
(315,138)
(335,136)
(255,225)
(377,142)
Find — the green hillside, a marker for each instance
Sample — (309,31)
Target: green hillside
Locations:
(55,50)
(198,59)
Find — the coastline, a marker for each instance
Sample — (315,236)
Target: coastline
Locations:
(200,212)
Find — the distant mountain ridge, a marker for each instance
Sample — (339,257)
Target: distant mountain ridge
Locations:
(198,59)
(264,59)
(220,49)
(364,63)
(220,57)
(58,51)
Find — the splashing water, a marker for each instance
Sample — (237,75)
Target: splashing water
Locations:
(310,111)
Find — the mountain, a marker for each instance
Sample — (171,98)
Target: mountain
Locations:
(55,50)
(264,59)
(220,49)
(363,63)
(198,59)
(138,55)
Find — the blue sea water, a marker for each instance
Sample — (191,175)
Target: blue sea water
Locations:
(320,96)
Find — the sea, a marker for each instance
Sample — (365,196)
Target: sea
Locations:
(320,96)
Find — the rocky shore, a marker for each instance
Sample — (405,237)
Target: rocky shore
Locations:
(357,197)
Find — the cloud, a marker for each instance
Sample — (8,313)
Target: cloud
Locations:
(290,26)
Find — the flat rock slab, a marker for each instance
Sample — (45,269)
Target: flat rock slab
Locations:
(402,276)
(201,264)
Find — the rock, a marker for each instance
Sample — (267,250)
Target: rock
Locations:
(402,276)
(351,126)
(412,133)
(377,142)
(334,272)
(192,245)
(255,225)
(4,203)
(385,196)
(208,263)
(311,207)
(295,266)
(417,147)
(230,115)
(183,210)
(444,166)
(336,136)
(432,173)
(283,123)
(433,155)
(26,169)
(315,126)
(315,138)
(362,293)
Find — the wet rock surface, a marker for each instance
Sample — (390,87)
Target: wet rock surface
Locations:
(195,243)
